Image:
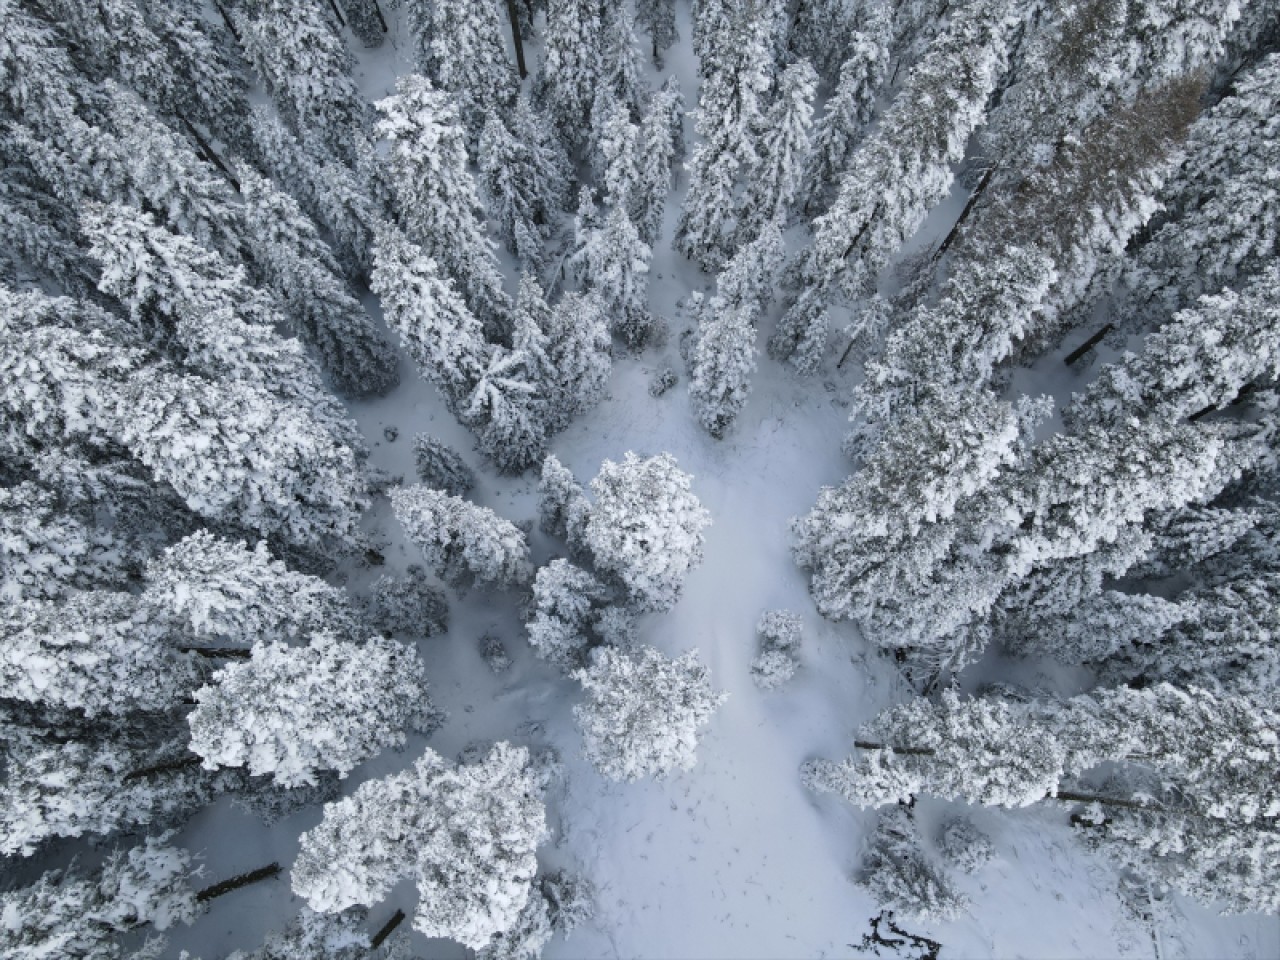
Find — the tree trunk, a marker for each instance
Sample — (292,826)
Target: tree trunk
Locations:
(386,930)
(208,152)
(964,214)
(169,766)
(228,21)
(1088,345)
(515,35)
(333,5)
(381,19)
(213,653)
(235,883)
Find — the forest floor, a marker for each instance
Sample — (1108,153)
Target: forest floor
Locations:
(734,859)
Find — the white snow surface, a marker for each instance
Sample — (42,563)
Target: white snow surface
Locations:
(734,859)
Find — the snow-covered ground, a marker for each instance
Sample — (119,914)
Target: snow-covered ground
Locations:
(735,858)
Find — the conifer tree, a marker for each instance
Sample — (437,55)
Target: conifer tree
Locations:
(97,652)
(299,268)
(1219,206)
(659,147)
(848,111)
(434,324)
(738,71)
(461,541)
(289,712)
(436,195)
(1000,753)
(784,147)
(723,361)
(566,599)
(571,61)
(643,712)
(215,592)
(67,786)
(239,456)
(440,467)
(326,190)
(749,278)
(1201,360)
(563,509)
(68,913)
(659,18)
(468,58)
(614,261)
(307,70)
(645,527)
(466,835)
(505,410)
(905,168)
(523,178)
(224,326)
(49,546)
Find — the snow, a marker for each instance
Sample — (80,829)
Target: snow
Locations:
(734,858)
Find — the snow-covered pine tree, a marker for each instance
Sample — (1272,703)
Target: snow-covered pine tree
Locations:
(366,20)
(50,546)
(289,712)
(299,268)
(436,196)
(467,57)
(660,147)
(461,541)
(620,79)
(213,88)
(408,605)
(645,527)
(984,311)
(307,69)
(723,361)
(568,347)
(563,508)
(440,467)
(614,262)
(1219,204)
(72,914)
(465,834)
(849,109)
(617,154)
(659,18)
(900,876)
(433,322)
(738,69)
(776,180)
(523,176)
(232,452)
(749,278)
(571,65)
(327,190)
(1203,359)
(879,546)
(1067,208)
(506,412)
(905,168)
(39,241)
(213,592)
(97,652)
(1211,755)
(565,601)
(239,456)
(643,712)
(59,785)
(222,326)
